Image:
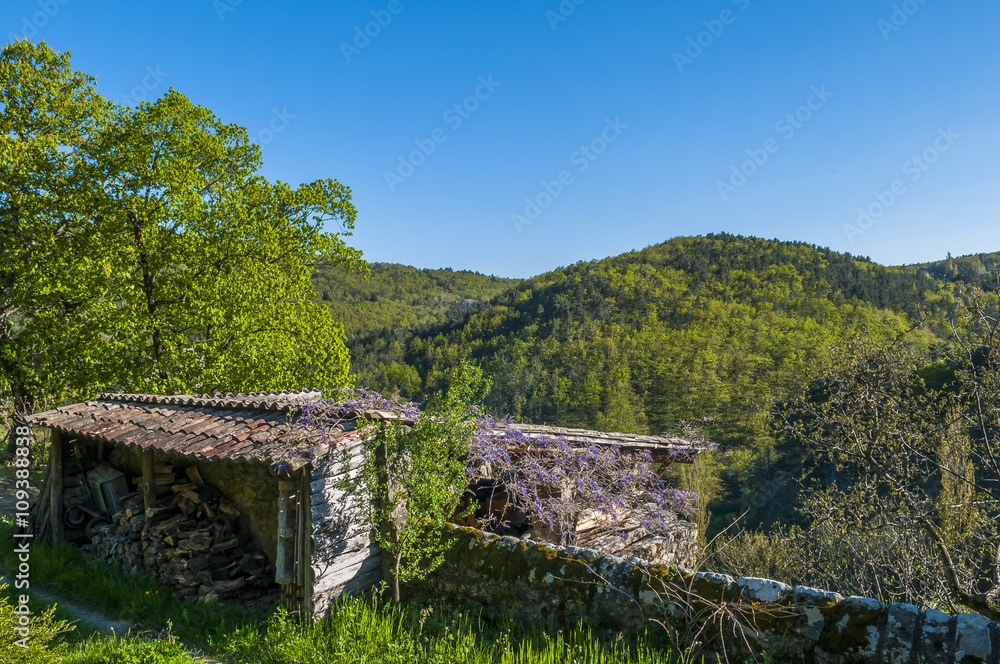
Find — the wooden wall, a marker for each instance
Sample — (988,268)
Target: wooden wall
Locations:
(344,557)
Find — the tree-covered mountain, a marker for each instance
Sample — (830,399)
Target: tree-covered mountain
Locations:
(718,327)
(398,296)
(973,268)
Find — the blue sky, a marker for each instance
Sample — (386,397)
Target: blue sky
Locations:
(585,130)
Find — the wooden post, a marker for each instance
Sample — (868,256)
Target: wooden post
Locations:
(306,506)
(282,574)
(148,480)
(56,487)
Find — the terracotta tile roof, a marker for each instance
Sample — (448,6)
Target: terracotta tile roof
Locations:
(255,427)
(250,427)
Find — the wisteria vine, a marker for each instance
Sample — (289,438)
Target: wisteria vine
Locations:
(551,481)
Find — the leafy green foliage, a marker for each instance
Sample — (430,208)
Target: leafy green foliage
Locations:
(391,296)
(148,255)
(48,112)
(413,478)
(127,650)
(41,639)
(910,467)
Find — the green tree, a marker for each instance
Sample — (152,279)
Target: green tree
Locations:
(917,459)
(48,113)
(150,256)
(412,479)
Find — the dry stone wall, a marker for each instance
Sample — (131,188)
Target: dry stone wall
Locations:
(536,582)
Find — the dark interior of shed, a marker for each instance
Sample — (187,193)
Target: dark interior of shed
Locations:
(147,513)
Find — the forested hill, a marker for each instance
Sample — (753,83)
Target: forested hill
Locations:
(398,296)
(718,326)
(974,268)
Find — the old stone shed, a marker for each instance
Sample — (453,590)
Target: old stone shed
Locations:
(216,477)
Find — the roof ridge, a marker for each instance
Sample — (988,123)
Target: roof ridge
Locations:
(266,401)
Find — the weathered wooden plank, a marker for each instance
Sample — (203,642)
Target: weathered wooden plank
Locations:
(335,503)
(338,470)
(362,582)
(344,565)
(323,464)
(282,573)
(330,551)
(344,577)
(331,482)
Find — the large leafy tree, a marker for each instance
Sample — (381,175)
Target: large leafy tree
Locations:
(48,112)
(210,264)
(144,252)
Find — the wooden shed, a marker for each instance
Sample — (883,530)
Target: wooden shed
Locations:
(193,460)
(245,449)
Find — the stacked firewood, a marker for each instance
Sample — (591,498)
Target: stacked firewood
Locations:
(189,540)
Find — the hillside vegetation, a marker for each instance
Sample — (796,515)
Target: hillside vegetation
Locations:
(399,296)
(718,327)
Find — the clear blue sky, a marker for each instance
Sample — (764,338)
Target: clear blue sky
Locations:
(892,86)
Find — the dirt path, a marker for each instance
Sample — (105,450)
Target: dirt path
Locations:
(90,618)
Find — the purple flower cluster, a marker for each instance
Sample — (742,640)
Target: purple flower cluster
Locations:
(557,484)
(554,483)
(347,405)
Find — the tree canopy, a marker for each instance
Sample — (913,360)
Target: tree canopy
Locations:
(145,251)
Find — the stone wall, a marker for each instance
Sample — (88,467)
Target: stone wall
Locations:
(535,582)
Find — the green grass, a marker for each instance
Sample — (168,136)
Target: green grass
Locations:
(364,630)
(358,630)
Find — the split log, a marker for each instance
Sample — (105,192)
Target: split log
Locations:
(193,475)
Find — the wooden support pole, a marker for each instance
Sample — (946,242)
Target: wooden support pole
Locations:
(282,559)
(56,487)
(148,480)
(306,503)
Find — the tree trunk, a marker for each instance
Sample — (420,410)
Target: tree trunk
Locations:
(395,577)
(24,405)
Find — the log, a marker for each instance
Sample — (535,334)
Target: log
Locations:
(226,507)
(148,480)
(222,546)
(221,587)
(193,475)
(158,513)
(164,479)
(190,496)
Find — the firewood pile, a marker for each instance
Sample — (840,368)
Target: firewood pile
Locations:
(190,540)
